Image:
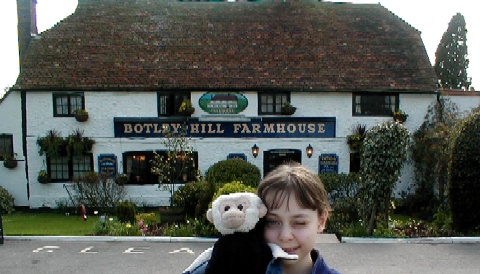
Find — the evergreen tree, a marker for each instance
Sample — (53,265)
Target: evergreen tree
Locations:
(451,61)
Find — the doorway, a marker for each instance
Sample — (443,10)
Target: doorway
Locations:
(275,157)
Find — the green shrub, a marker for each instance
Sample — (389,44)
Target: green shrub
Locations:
(234,169)
(342,193)
(126,211)
(148,219)
(195,197)
(112,227)
(6,201)
(464,175)
(382,157)
(232,188)
(198,227)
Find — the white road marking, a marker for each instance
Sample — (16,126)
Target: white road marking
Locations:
(136,249)
(183,250)
(87,250)
(47,248)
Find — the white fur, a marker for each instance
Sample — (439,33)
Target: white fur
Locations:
(252,214)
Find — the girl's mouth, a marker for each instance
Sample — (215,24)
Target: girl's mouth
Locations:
(290,250)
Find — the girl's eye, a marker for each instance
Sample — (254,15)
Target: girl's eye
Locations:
(300,224)
(272,223)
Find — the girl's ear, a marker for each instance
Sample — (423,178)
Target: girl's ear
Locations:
(322,220)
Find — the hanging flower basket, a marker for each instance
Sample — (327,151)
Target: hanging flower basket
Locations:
(188,111)
(355,142)
(400,117)
(81,115)
(43,177)
(288,109)
(186,108)
(10,163)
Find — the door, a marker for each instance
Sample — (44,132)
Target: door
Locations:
(275,157)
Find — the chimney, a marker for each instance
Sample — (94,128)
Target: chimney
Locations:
(27,25)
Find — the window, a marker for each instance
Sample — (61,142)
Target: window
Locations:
(65,104)
(137,165)
(65,168)
(169,103)
(6,145)
(374,104)
(271,103)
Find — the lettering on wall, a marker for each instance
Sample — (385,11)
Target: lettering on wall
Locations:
(223,102)
(328,163)
(271,127)
(107,164)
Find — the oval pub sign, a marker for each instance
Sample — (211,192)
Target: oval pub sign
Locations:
(223,102)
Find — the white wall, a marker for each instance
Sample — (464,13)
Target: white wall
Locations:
(13,180)
(104,106)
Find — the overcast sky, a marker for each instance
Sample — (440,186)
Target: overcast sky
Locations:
(431,17)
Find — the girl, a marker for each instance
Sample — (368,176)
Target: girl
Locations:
(298,207)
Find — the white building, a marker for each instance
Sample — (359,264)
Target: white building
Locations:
(131,63)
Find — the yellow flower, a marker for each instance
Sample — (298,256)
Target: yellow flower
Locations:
(128,225)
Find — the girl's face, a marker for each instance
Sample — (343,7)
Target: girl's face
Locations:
(295,230)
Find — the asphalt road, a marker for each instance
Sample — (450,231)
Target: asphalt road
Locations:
(114,257)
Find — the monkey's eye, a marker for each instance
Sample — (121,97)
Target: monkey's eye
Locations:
(240,207)
(227,208)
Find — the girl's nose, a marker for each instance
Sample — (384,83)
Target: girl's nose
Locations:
(286,233)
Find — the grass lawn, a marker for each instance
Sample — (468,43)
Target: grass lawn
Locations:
(47,224)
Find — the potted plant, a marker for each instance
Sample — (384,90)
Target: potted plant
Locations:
(43,177)
(399,116)
(186,107)
(77,144)
(355,140)
(81,115)
(288,109)
(9,160)
(121,179)
(52,144)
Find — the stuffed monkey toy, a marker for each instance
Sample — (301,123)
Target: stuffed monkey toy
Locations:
(242,248)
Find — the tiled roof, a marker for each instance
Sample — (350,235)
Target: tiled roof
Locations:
(270,45)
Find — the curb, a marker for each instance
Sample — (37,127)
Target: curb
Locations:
(111,239)
(324,240)
(421,240)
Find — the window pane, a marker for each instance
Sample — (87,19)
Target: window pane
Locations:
(279,101)
(136,168)
(163,104)
(6,145)
(61,104)
(81,164)
(75,103)
(374,104)
(59,168)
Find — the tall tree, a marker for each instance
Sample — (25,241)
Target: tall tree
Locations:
(451,60)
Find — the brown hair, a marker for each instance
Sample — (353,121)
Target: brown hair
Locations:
(294,178)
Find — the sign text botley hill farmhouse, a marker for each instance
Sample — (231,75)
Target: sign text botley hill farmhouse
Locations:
(266,127)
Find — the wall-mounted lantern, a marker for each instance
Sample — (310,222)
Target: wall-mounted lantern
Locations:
(309,151)
(255,149)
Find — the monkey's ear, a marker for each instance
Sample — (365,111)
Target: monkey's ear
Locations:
(210,215)
(262,210)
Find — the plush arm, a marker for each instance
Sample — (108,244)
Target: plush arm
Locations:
(277,252)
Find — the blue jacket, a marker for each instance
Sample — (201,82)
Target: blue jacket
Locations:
(275,266)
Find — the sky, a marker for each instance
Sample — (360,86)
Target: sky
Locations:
(430,17)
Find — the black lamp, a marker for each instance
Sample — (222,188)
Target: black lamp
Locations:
(255,150)
(309,151)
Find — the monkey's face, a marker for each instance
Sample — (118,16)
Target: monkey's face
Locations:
(234,212)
